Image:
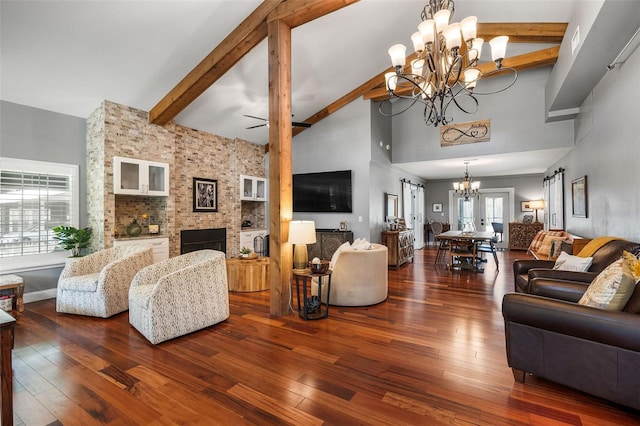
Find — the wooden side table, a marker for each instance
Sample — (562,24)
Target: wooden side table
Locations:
(246,275)
(15,283)
(303,304)
(7,323)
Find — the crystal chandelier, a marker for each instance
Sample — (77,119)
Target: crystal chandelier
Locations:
(466,188)
(445,69)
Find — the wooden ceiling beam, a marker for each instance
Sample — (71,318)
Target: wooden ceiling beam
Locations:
(539,58)
(524,32)
(298,12)
(238,43)
(527,32)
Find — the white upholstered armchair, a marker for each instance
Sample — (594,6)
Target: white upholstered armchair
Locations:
(98,284)
(359,277)
(179,295)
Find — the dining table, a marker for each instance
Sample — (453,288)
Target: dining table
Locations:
(480,241)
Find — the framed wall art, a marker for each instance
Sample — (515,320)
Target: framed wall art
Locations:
(205,195)
(436,207)
(579,197)
(524,206)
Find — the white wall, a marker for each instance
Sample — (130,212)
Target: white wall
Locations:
(608,153)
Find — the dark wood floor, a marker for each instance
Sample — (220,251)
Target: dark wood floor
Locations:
(433,353)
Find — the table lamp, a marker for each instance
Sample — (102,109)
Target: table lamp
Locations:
(536,204)
(301,233)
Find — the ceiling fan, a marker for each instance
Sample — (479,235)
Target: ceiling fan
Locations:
(266,122)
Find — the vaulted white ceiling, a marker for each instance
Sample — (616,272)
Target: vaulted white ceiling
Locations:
(68,57)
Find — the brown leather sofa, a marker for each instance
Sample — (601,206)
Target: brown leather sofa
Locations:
(592,350)
(524,270)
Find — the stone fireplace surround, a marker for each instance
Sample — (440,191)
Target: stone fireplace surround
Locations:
(118,130)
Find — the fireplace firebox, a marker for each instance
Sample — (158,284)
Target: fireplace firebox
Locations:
(201,239)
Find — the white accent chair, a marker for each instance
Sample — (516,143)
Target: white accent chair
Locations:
(98,284)
(359,277)
(180,295)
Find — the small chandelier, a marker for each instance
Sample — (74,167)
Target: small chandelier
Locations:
(466,188)
(445,69)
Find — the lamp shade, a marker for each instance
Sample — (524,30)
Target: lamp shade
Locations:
(468,27)
(302,232)
(498,47)
(452,36)
(397,53)
(427,29)
(442,19)
(418,42)
(536,204)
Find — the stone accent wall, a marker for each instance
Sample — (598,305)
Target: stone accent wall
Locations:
(118,130)
(95,177)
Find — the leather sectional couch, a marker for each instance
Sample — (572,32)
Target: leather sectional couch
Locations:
(549,335)
(526,269)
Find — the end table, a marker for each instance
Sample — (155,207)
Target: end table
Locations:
(303,305)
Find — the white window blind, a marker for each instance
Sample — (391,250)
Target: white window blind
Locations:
(35,196)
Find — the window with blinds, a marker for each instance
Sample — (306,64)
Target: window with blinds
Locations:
(35,197)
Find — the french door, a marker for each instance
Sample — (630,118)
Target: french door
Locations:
(492,205)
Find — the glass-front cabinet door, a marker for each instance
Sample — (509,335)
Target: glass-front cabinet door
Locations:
(140,177)
(253,188)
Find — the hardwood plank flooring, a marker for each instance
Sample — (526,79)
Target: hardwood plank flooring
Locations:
(432,354)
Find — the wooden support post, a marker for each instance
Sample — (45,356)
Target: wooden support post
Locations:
(280,175)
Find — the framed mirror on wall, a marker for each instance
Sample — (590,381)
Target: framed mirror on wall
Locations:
(391,203)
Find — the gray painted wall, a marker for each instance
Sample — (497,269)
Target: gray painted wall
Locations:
(517,124)
(340,142)
(350,139)
(35,134)
(607,151)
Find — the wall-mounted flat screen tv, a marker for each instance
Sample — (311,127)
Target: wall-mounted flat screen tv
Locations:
(322,192)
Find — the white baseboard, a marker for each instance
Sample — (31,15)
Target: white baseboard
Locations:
(35,296)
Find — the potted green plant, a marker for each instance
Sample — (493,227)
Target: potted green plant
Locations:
(71,238)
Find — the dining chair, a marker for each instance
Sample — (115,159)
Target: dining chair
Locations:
(498,228)
(443,245)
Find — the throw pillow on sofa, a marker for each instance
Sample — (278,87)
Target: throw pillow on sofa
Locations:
(633,263)
(567,262)
(344,246)
(611,289)
(550,244)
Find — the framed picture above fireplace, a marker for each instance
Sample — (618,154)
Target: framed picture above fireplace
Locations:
(205,195)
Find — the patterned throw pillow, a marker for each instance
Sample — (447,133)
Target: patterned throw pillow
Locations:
(539,238)
(633,263)
(567,262)
(545,248)
(611,289)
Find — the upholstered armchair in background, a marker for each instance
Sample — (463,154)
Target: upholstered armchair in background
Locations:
(179,295)
(359,277)
(98,284)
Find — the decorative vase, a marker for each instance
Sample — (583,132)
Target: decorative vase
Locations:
(134,229)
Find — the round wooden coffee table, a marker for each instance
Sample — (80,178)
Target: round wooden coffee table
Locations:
(245,275)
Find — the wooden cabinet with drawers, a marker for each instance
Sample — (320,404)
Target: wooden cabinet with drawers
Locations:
(327,242)
(400,246)
(521,234)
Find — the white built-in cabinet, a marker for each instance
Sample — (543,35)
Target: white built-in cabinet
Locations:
(140,177)
(253,188)
(159,245)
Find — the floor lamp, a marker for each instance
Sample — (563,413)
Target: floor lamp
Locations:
(536,205)
(301,233)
